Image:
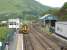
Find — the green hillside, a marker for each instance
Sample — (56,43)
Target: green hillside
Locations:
(14,8)
(18,5)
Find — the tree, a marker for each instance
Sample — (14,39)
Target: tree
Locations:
(63,12)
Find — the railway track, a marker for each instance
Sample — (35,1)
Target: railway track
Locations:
(27,42)
(45,42)
(41,42)
(59,42)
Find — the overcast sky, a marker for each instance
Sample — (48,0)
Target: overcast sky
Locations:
(52,3)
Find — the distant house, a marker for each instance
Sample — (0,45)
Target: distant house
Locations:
(48,19)
(3,22)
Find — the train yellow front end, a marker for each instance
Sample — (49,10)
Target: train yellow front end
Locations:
(24,29)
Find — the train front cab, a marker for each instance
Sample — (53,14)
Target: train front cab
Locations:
(24,29)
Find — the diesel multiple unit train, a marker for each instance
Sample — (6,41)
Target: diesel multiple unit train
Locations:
(24,29)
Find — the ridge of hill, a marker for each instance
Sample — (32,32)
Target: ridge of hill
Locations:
(21,8)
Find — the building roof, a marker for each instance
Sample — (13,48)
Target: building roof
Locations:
(48,17)
(44,16)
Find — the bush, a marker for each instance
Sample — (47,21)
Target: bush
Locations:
(3,33)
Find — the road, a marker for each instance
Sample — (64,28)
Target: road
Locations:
(16,43)
(12,44)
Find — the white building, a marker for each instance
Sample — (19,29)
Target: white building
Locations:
(14,23)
